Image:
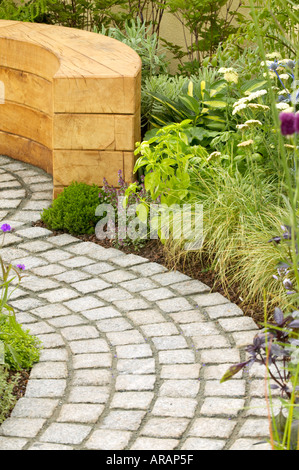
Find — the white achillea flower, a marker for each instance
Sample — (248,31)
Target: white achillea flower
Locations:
(274,55)
(282,106)
(284,92)
(284,76)
(253,122)
(242,126)
(246,143)
(240,101)
(256,94)
(239,108)
(231,77)
(225,70)
(258,106)
(214,154)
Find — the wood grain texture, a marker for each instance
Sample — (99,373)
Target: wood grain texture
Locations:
(72,99)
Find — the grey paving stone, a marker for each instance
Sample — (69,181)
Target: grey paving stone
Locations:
(144,317)
(212,428)
(49,270)
(45,388)
(180,388)
(175,407)
(249,444)
(180,371)
(55,255)
(148,443)
(190,287)
(136,382)
(169,278)
(134,304)
(220,356)
(91,285)
(125,337)
(59,295)
(84,377)
(169,342)
(49,370)
(76,262)
(132,400)
(22,427)
(232,388)
(223,311)
(165,427)
(48,446)
(193,443)
(157,294)
(34,408)
(138,285)
(98,268)
(72,276)
(114,325)
(50,311)
(34,232)
(80,413)
(86,361)
(127,420)
(84,303)
(62,240)
(207,300)
(213,406)
(88,394)
(129,260)
(237,324)
(148,269)
(176,304)
(65,433)
(101,313)
(10,443)
(89,346)
(72,333)
(159,329)
(106,439)
(136,366)
(114,294)
(181,356)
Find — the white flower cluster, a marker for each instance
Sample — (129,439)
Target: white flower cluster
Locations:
(242,102)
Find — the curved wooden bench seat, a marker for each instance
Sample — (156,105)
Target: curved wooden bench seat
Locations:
(72,102)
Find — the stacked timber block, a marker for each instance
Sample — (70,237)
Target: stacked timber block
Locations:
(72,102)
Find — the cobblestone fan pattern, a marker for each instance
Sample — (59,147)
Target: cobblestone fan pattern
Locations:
(132,353)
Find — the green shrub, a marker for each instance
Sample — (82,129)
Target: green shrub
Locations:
(21,349)
(7,399)
(74,210)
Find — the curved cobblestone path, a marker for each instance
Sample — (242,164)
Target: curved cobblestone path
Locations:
(132,353)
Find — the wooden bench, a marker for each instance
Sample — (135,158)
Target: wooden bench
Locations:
(72,102)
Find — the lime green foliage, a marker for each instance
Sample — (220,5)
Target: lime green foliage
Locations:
(21,349)
(74,209)
(7,399)
(167,160)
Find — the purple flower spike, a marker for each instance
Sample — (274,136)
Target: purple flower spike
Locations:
(287,123)
(297,122)
(5,228)
(21,266)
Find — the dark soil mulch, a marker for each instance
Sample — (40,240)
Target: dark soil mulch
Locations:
(21,384)
(155,251)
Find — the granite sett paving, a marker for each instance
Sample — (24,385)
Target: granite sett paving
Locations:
(132,353)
